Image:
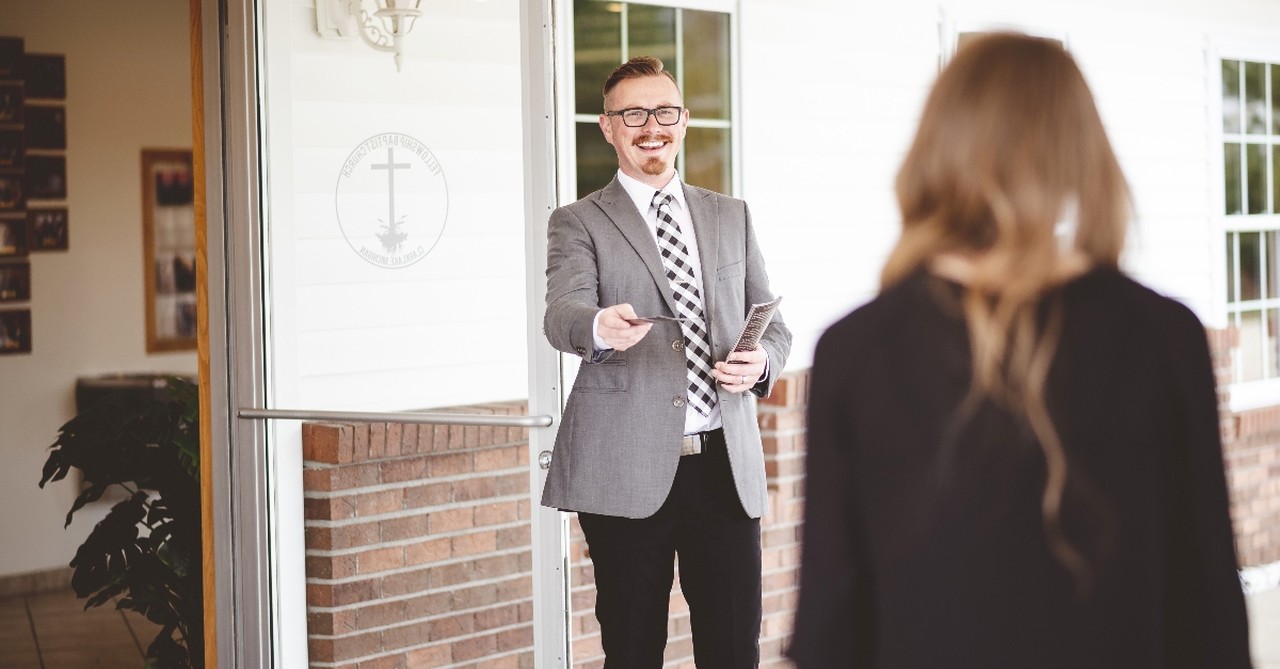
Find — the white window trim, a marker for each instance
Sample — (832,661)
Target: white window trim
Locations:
(1244,396)
(566,93)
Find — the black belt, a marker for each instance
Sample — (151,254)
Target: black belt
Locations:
(701,442)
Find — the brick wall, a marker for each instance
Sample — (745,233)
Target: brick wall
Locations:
(418,548)
(1251,447)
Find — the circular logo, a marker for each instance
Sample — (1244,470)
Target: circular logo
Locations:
(392,200)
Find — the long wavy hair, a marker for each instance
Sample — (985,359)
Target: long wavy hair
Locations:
(1009,154)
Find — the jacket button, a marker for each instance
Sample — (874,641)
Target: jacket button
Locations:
(581,350)
(677,402)
(677,345)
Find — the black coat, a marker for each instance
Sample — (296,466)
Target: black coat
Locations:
(923,540)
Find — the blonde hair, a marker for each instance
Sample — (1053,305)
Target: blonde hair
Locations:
(1010,142)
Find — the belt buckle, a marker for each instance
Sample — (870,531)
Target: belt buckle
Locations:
(691,444)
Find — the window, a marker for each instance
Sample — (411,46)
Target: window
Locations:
(1251,189)
(694,46)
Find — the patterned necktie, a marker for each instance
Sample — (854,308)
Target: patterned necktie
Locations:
(697,348)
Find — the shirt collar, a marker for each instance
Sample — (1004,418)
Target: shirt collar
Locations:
(642,193)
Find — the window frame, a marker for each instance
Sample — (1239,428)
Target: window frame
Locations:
(1244,395)
(567,163)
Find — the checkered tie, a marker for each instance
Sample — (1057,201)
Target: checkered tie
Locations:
(697,346)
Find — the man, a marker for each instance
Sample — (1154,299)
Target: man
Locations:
(658,450)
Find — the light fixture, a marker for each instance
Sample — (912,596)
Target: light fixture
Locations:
(383,29)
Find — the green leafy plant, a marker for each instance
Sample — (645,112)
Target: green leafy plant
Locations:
(146,553)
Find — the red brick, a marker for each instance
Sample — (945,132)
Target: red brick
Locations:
(377,503)
(353,592)
(511,484)
(440,438)
(398,529)
(359,645)
(472,489)
(512,537)
(406,583)
(456,438)
(360,442)
(474,543)
(429,606)
(377,440)
(380,559)
(408,469)
(330,623)
(427,495)
(476,596)
(492,459)
(450,627)
(393,437)
(430,657)
(332,567)
(396,661)
(327,443)
(356,476)
(409,438)
(451,464)
(475,647)
(379,614)
(497,513)
(316,479)
(494,618)
(450,520)
(425,552)
(404,636)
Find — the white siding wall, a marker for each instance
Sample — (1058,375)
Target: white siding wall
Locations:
(831,92)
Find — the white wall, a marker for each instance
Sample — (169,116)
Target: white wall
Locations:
(128,87)
(844,82)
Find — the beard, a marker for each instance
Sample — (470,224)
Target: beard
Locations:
(654,166)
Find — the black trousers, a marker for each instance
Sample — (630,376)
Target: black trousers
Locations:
(718,546)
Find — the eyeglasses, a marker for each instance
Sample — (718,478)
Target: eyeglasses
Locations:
(636,117)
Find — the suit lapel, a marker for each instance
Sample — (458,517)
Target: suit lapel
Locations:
(618,206)
(705,214)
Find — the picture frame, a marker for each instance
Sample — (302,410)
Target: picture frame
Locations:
(13,237)
(15,282)
(168,218)
(15,331)
(45,76)
(46,127)
(11,197)
(12,150)
(11,50)
(45,178)
(12,102)
(48,229)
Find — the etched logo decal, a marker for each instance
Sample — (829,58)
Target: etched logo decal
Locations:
(392,200)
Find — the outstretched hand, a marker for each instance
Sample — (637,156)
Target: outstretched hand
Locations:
(616,329)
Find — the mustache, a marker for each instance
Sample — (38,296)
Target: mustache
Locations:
(661,136)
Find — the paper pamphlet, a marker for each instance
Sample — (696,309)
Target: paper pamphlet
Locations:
(757,320)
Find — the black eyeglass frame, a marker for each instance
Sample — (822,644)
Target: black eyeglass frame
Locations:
(647,113)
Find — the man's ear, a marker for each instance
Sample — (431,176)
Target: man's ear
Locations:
(607,128)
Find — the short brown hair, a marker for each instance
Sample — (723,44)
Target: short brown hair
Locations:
(640,66)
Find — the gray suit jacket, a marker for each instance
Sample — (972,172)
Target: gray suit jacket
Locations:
(618,442)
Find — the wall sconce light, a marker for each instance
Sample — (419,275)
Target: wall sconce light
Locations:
(383,29)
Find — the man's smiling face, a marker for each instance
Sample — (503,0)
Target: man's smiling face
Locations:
(647,153)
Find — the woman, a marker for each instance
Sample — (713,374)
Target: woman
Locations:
(1014,457)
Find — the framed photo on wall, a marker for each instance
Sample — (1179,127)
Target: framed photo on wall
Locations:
(46,178)
(169,236)
(47,229)
(15,282)
(15,331)
(13,236)
(45,75)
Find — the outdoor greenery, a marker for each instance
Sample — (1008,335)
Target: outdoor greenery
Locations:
(146,553)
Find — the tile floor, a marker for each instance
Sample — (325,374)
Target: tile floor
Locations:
(51,630)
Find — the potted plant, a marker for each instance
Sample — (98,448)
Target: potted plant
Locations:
(146,552)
